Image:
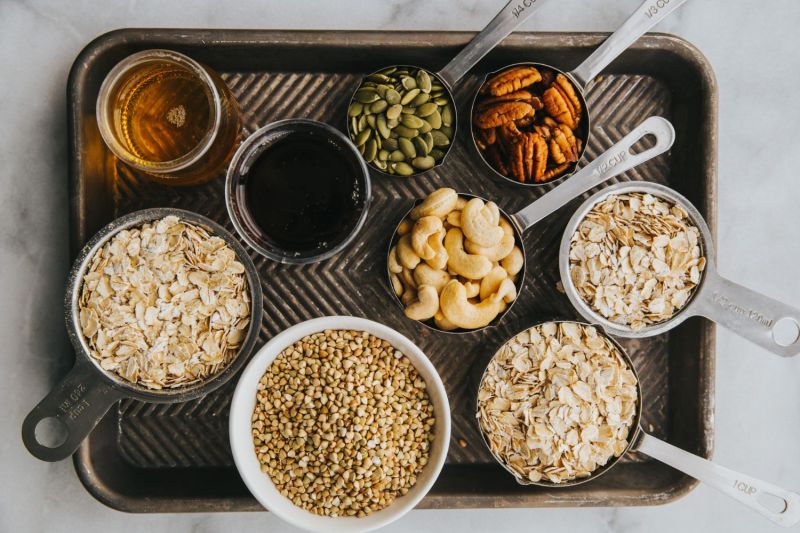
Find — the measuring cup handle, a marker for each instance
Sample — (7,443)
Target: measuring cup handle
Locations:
(610,163)
(77,403)
(647,15)
(507,20)
(760,319)
(750,491)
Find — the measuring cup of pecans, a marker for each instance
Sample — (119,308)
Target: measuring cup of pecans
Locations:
(162,305)
(530,121)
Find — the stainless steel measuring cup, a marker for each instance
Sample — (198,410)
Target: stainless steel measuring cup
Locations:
(507,20)
(614,161)
(78,402)
(760,319)
(777,504)
(647,15)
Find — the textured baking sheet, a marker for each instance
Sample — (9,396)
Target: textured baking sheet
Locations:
(155,458)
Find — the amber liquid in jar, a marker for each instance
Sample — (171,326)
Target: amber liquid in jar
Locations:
(175,120)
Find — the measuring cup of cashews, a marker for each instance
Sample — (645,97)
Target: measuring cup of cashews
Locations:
(456,261)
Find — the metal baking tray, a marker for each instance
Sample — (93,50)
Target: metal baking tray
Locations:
(170,458)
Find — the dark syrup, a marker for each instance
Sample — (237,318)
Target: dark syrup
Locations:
(303,194)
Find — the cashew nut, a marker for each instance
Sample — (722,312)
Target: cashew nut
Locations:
(425,228)
(404,227)
(492,253)
(458,310)
(397,285)
(407,277)
(408,296)
(405,253)
(473,289)
(438,203)
(442,323)
(439,259)
(505,225)
(454,218)
(425,275)
(506,292)
(479,223)
(394,266)
(425,306)
(464,264)
(460,203)
(513,262)
(492,281)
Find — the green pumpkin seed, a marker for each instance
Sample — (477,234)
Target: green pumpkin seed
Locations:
(409,110)
(421,146)
(366,110)
(362,122)
(381,90)
(439,138)
(410,121)
(383,129)
(355,109)
(380,164)
(409,83)
(426,109)
(408,133)
(392,96)
(407,147)
(447,130)
(420,99)
(424,81)
(447,115)
(353,126)
(436,86)
(394,111)
(426,126)
(428,138)
(396,156)
(439,94)
(436,154)
(383,154)
(366,95)
(370,150)
(379,78)
(423,163)
(362,137)
(410,95)
(403,169)
(390,144)
(388,71)
(377,140)
(361,148)
(441,100)
(379,106)
(371,121)
(392,123)
(435,119)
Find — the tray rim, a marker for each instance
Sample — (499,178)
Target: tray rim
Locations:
(685,50)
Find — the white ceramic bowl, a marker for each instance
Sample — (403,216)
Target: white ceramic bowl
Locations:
(243,404)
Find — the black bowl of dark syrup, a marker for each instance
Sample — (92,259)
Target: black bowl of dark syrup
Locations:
(297,191)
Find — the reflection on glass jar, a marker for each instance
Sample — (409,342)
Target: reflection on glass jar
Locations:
(167,115)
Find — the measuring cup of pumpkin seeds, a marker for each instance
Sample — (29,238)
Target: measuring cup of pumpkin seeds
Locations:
(403,117)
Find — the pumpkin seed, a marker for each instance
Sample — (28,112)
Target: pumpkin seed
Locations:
(392,96)
(370,150)
(380,164)
(428,138)
(366,95)
(447,130)
(410,121)
(378,106)
(362,122)
(361,148)
(392,123)
(394,111)
(379,78)
(441,100)
(403,169)
(439,138)
(362,137)
(388,71)
(424,81)
(436,154)
(397,155)
(371,121)
(383,129)
(410,95)
(426,126)
(420,99)
(355,109)
(406,132)
(353,126)
(407,147)
(383,154)
(409,110)
(421,146)
(425,109)
(409,83)
(390,144)
(423,163)
(435,119)
(381,90)
(447,115)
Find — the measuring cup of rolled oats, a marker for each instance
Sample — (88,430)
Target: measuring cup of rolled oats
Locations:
(162,305)
(638,259)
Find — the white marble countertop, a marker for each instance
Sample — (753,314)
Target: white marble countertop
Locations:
(754,48)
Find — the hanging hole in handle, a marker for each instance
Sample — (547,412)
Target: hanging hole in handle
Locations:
(786,331)
(643,144)
(774,503)
(51,432)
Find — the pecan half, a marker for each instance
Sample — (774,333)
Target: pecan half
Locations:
(516,96)
(561,102)
(539,157)
(512,80)
(502,113)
